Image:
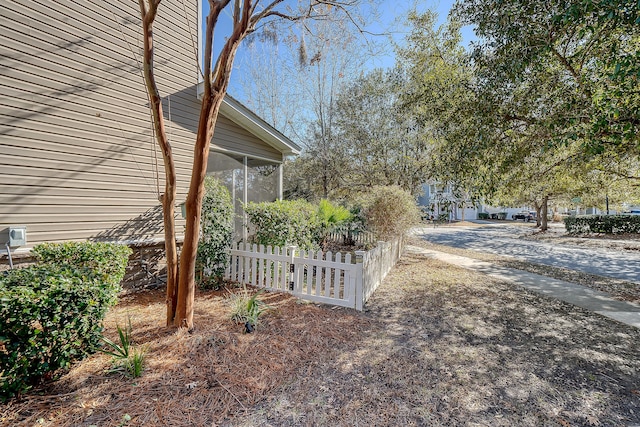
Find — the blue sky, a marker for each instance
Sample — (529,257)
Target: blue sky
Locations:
(393,18)
(392,21)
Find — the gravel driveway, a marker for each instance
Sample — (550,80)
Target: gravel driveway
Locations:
(507,240)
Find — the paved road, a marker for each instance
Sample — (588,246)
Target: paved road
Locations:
(503,240)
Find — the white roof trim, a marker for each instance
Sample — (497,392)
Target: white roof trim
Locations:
(242,116)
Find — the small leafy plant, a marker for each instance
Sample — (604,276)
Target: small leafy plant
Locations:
(134,365)
(126,357)
(246,309)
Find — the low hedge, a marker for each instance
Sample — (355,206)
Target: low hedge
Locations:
(284,222)
(108,259)
(606,224)
(52,312)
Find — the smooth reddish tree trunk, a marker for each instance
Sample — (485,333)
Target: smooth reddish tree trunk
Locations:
(168,198)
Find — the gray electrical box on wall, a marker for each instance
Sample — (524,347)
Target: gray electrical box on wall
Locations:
(17,235)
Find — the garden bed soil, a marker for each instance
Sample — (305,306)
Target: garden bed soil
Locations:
(437,345)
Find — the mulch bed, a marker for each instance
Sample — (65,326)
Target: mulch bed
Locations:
(200,378)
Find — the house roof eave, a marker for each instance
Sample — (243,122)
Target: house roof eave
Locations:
(243,116)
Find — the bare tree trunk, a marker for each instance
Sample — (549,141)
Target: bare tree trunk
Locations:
(186,283)
(215,88)
(538,208)
(169,196)
(545,210)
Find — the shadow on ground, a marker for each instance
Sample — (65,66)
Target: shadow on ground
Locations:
(452,347)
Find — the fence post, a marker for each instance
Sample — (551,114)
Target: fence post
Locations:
(292,267)
(359,280)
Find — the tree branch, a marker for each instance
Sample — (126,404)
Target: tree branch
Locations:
(565,63)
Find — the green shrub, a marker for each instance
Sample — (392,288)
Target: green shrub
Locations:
(216,227)
(389,211)
(331,216)
(483,215)
(107,259)
(52,312)
(284,222)
(606,224)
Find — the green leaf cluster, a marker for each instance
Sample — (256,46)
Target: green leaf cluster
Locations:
(52,312)
(109,260)
(284,222)
(216,234)
(331,215)
(126,356)
(246,308)
(607,224)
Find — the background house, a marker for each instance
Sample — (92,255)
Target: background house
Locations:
(440,199)
(78,157)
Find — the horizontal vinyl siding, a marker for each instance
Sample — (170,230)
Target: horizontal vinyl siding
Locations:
(76,143)
(231,137)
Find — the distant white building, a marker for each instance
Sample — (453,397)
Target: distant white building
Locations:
(438,199)
(442,199)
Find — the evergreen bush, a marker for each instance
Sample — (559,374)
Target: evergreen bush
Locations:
(52,312)
(284,222)
(107,259)
(216,234)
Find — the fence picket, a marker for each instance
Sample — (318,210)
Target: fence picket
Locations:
(317,270)
(327,275)
(270,268)
(337,274)
(261,263)
(309,272)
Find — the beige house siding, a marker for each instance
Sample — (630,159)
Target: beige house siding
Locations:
(230,137)
(77,153)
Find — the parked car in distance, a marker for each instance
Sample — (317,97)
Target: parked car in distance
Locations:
(524,215)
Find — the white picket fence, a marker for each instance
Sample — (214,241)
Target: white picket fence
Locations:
(328,278)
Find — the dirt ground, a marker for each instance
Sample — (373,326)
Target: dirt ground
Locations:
(437,345)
